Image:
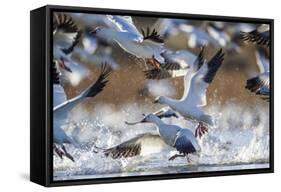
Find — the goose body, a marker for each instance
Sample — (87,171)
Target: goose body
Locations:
(61,111)
(182,139)
(196,82)
(176,64)
(127,36)
(260,84)
(259,36)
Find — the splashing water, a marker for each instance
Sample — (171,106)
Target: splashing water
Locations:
(239,140)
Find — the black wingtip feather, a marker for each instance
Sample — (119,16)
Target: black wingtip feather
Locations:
(56,74)
(67,25)
(123,151)
(213,66)
(157,74)
(171,66)
(154,36)
(200,58)
(101,82)
(64,22)
(254,84)
(255,37)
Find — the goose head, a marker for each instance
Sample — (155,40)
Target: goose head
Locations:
(150,118)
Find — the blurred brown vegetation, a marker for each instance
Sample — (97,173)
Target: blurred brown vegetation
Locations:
(126,83)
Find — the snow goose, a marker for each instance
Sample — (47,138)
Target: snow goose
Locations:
(146,45)
(59,97)
(66,36)
(61,111)
(195,87)
(259,36)
(260,84)
(182,139)
(176,64)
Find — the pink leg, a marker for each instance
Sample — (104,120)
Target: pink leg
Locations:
(200,130)
(152,61)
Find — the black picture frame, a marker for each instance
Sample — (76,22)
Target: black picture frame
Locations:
(41,158)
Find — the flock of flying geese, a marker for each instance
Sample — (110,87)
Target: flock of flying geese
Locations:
(160,62)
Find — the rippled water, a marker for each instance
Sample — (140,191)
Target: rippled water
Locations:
(240,140)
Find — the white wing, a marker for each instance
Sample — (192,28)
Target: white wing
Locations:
(262,62)
(166,112)
(64,40)
(263,28)
(200,81)
(194,67)
(186,142)
(125,24)
(182,58)
(143,144)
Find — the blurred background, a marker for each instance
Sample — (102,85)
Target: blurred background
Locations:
(128,84)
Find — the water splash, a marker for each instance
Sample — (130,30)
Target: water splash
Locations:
(239,138)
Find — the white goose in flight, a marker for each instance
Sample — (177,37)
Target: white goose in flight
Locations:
(176,64)
(59,97)
(182,139)
(61,111)
(196,82)
(147,46)
(66,36)
(260,84)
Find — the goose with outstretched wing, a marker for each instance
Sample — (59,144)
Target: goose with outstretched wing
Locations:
(61,111)
(146,44)
(260,35)
(196,83)
(176,64)
(66,36)
(91,91)
(182,139)
(260,84)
